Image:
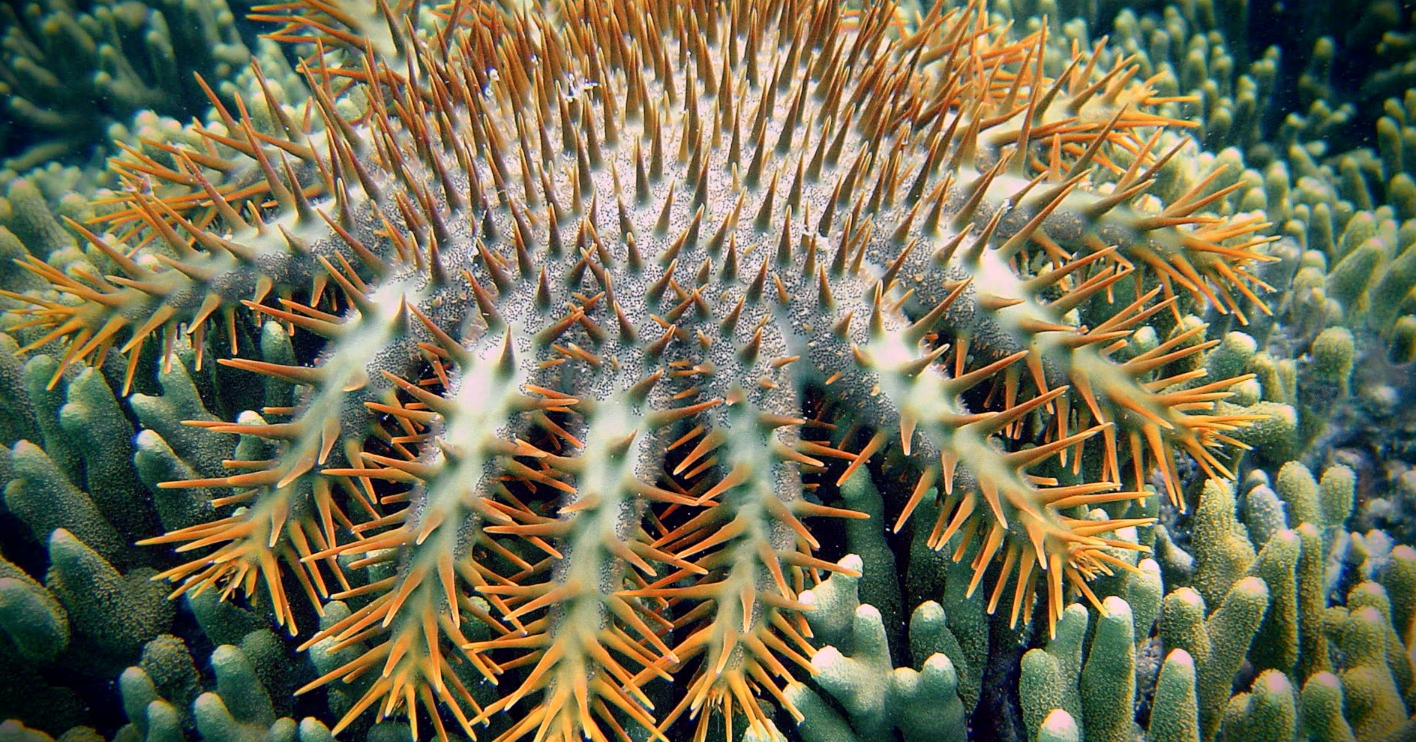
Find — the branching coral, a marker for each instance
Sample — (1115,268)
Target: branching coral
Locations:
(69,70)
(585,307)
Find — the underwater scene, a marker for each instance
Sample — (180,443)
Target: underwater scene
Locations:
(707,370)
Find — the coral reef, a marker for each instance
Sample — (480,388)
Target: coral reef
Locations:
(543,341)
(69,70)
(1307,636)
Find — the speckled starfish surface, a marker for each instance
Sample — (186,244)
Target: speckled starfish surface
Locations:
(600,305)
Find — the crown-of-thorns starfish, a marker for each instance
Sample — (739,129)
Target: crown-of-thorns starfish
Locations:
(602,293)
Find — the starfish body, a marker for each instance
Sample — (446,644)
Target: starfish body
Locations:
(604,302)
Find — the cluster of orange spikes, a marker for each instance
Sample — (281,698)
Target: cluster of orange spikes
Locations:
(578,275)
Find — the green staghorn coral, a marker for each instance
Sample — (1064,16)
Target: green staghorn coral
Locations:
(68,71)
(1347,673)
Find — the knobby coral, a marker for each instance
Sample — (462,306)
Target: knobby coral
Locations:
(70,70)
(589,301)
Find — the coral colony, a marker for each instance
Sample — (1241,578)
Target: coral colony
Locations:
(607,324)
